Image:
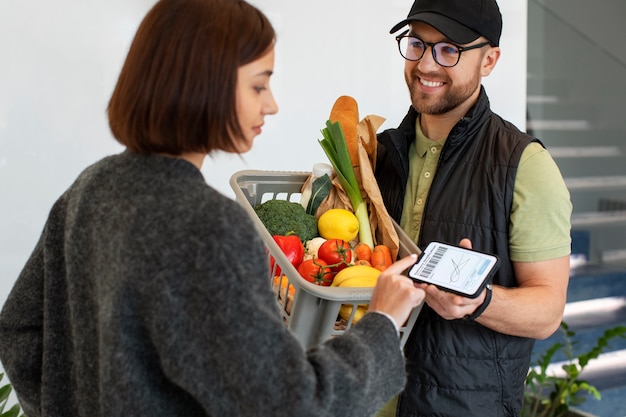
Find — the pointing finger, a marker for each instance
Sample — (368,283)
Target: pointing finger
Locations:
(401,265)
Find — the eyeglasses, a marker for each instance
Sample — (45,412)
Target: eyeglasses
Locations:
(445,54)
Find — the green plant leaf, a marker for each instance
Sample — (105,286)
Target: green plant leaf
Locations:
(5,391)
(13,412)
(601,344)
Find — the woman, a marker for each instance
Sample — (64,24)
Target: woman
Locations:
(145,293)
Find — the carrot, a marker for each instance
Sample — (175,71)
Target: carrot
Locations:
(362,262)
(363,252)
(286,291)
(346,112)
(381,257)
(284,284)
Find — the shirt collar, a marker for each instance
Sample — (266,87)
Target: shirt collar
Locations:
(422,143)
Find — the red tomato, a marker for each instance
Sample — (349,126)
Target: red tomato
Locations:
(336,253)
(316,271)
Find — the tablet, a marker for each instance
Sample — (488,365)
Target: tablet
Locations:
(454,269)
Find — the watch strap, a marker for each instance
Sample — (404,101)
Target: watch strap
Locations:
(483,306)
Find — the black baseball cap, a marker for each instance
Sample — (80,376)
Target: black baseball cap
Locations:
(461,21)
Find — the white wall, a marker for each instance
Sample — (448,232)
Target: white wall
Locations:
(59,62)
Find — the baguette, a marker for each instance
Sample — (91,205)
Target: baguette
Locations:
(346,112)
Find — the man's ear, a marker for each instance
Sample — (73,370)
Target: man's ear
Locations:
(490,60)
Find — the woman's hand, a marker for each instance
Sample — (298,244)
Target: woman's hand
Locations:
(396,294)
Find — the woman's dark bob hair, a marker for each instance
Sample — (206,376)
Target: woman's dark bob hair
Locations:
(176,92)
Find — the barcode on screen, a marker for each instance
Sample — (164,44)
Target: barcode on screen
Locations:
(432,262)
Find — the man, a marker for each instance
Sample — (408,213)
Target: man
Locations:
(454,171)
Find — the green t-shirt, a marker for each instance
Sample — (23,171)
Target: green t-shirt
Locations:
(540,218)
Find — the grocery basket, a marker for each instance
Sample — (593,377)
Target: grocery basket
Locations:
(310,311)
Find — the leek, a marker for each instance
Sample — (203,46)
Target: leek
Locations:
(334,145)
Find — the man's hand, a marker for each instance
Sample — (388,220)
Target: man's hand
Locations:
(451,306)
(533,309)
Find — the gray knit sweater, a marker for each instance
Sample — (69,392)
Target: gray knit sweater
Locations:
(147,295)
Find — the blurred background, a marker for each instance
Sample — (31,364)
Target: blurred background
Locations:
(576,94)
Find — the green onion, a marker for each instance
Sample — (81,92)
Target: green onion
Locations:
(334,145)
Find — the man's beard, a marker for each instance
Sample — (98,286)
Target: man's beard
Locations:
(456,95)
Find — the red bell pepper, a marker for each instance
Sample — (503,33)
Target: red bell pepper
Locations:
(292,247)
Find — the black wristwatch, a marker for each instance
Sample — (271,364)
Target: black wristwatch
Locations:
(483,306)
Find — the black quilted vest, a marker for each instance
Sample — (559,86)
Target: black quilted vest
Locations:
(458,367)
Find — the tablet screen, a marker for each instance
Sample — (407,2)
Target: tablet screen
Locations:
(460,270)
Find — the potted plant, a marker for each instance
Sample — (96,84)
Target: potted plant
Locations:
(548,395)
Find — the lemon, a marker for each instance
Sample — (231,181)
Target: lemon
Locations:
(338,224)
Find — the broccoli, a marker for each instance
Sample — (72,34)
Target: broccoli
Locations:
(282,217)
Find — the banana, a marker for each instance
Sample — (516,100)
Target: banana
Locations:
(359,282)
(357,275)
(346,310)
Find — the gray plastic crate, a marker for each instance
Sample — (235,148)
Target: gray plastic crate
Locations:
(312,312)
